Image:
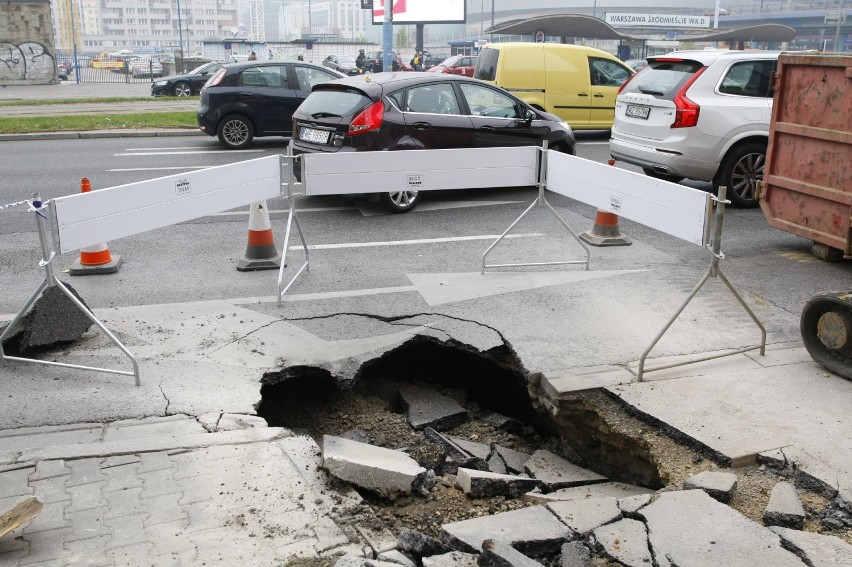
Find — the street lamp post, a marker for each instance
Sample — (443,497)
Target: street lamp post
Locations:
(74,41)
(180,36)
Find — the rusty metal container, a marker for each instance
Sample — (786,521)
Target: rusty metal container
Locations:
(807,183)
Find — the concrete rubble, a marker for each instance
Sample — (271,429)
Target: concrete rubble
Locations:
(53,320)
(784,508)
(554,472)
(482,484)
(424,407)
(719,485)
(380,470)
(816,549)
(496,554)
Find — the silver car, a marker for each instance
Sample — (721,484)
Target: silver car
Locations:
(700,115)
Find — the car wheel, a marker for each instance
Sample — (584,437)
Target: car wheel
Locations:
(563,148)
(182,89)
(235,132)
(656,175)
(400,201)
(740,171)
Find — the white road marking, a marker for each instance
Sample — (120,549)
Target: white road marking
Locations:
(188,153)
(273,211)
(161,168)
(408,242)
(178,148)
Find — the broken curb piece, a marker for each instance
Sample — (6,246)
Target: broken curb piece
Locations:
(719,485)
(380,470)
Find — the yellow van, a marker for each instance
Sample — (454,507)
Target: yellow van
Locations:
(576,83)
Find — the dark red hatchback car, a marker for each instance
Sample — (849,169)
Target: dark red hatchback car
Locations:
(409,111)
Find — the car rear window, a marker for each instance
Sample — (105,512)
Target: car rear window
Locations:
(486,65)
(334,101)
(663,78)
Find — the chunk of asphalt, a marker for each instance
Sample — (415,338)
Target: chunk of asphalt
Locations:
(496,554)
(383,471)
(785,508)
(496,464)
(514,460)
(689,527)
(484,484)
(451,559)
(455,453)
(602,490)
(503,423)
(480,450)
(53,320)
(555,472)
(575,554)
(424,407)
(719,485)
(625,541)
(397,557)
(583,516)
(816,549)
(420,544)
(533,530)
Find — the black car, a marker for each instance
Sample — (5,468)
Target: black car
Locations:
(186,84)
(342,63)
(375,62)
(409,111)
(243,101)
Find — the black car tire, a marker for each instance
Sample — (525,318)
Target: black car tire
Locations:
(656,175)
(400,201)
(235,132)
(182,88)
(740,171)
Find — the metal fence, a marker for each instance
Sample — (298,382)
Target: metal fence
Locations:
(91,69)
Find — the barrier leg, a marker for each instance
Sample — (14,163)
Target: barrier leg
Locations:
(289,162)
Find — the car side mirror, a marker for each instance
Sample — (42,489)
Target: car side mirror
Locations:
(529,116)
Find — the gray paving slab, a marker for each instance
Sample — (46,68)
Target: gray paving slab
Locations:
(384,471)
(554,472)
(819,550)
(718,484)
(583,516)
(601,490)
(784,508)
(625,541)
(503,555)
(689,527)
(533,528)
(424,407)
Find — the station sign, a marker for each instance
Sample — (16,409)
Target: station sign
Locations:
(644,20)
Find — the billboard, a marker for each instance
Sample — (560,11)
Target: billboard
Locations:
(421,11)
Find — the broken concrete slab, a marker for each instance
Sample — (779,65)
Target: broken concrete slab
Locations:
(357,435)
(484,484)
(397,557)
(451,559)
(480,450)
(583,516)
(785,508)
(534,530)
(602,490)
(503,423)
(633,504)
(816,550)
(555,472)
(810,473)
(719,485)
(454,453)
(383,471)
(53,320)
(217,421)
(689,527)
(497,554)
(420,544)
(626,541)
(496,464)
(514,460)
(424,407)
(575,554)
(379,540)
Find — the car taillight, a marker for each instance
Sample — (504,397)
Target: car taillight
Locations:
(217,78)
(686,111)
(370,119)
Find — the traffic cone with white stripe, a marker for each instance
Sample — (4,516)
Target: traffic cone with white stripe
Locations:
(261,253)
(94,260)
(606,231)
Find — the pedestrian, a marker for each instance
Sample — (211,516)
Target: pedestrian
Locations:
(417,62)
(252,56)
(361,59)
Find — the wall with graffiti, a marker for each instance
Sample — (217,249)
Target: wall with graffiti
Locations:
(26,43)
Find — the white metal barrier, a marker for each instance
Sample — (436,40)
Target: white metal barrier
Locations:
(85,219)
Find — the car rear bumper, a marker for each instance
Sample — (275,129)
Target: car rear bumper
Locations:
(663,162)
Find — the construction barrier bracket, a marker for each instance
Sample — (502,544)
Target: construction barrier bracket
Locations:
(288,163)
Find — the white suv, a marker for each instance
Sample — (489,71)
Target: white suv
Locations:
(700,115)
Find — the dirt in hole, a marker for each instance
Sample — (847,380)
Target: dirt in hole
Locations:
(591,429)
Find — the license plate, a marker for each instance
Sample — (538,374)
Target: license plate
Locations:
(315,136)
(638,111)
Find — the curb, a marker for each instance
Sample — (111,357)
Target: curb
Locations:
(99,134)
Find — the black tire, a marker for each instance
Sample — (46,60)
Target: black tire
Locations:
(400,201)
(182,88)
(656,175)
(740,172)
(235,132)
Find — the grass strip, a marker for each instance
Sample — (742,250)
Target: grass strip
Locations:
(32,124)
(47,102)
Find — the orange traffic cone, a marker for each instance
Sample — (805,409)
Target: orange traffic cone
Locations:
(606,231)
(261,253)
(94,260)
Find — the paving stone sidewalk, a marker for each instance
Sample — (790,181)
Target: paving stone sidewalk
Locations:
(164,491)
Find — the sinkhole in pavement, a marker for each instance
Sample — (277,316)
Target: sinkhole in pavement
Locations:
(506,409)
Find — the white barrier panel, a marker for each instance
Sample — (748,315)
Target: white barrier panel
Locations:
(674,209)
(419,170)
(86,219)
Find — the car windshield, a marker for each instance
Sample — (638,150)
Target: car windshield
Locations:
(346,60)
(450,61)
(486,64)
(198,70)
(334,102)
(662,78)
